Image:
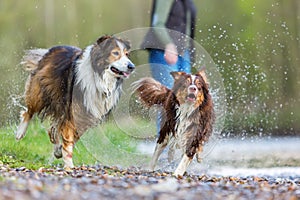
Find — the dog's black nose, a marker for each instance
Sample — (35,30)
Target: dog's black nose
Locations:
(130,66)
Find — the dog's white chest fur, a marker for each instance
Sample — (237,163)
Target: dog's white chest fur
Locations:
(100,94)
(108,93)
(183,122)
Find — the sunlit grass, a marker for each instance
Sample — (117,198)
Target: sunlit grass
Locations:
(105,144)
(33,151)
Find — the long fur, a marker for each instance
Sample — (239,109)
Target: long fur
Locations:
(75,88)
(95,87)
(184,125)
(151,92)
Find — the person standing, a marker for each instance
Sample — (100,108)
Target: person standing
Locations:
(171,20)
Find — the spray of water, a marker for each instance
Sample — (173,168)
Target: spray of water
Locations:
(139,124)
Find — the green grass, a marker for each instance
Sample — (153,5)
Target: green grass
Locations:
(33,151)
(106,144)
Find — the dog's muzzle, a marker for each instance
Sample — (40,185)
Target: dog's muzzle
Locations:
(130,69)
(123,67)
(192,93)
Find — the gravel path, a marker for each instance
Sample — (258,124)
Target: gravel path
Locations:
(101,182)
(234,169)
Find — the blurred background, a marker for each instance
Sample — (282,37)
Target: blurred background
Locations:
(254,44)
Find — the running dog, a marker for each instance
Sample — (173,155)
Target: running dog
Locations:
(187,118)
(75,88)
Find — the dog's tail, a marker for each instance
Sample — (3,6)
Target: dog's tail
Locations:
(150,91)
(32,57)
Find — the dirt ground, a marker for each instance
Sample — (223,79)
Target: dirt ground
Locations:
(263,169)
(100,182)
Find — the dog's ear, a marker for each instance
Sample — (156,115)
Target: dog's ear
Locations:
(202,73)
(101,39)
(126,43)
(176,75)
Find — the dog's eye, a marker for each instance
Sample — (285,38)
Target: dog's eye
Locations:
(115,53)
(198,84)
(197,81)
(187,82)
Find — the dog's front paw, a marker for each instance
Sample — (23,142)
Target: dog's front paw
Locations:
(178,176)
(151,169)
(179,173)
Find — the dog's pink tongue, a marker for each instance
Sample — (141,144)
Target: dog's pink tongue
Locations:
(191,99)
(126,74)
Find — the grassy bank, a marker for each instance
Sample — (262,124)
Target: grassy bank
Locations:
(105,144)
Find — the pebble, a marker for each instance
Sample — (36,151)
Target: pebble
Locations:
(104,182)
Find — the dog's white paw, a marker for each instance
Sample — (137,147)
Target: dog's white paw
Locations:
(67,155)
(179,172)
(20,133)
(184,163)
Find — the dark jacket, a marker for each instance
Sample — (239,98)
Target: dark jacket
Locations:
(175,26)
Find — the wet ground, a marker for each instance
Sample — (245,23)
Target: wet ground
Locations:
(262,156)
(100,182)
(232,170)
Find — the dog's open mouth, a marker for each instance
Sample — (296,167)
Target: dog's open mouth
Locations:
(120,73)
(191,97)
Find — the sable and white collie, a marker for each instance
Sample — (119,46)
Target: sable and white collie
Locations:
(187,117)
(75,88)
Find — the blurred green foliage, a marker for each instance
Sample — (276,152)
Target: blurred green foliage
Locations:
(255,45)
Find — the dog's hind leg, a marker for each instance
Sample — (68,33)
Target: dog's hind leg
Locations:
(184,163)
(25,118)
(158,150)
(68,141)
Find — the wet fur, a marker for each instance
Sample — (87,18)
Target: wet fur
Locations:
(75,88)
(184,125)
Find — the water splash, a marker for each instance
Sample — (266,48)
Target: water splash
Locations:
(128,114)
